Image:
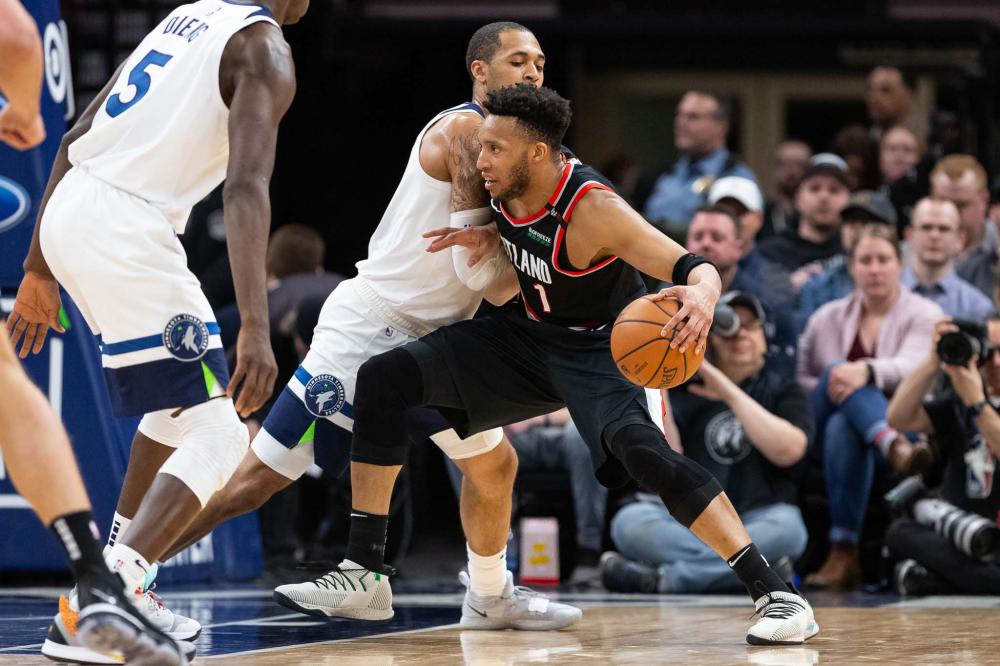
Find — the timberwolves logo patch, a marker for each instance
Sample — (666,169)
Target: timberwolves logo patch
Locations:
(186,337)
(324,395)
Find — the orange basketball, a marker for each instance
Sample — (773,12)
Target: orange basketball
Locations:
(642,354)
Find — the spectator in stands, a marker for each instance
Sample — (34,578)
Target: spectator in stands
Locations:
(700,128)
(835,281)
(716,233)
(962,418)
(961,179)
(822,195)
(748,426)
(936,238)
(856,146)
(854,351)
(889,97)
(904,175)
(899,151)
(626,175)
(790,162)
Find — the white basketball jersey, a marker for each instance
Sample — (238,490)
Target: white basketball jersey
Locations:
(421,286)
(162,133)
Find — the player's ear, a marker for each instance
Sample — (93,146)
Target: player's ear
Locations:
(478,69)
(541,152)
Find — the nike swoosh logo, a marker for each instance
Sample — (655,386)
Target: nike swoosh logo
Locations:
(477,612)
(139,564)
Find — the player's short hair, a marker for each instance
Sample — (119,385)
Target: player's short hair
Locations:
(293,249)
(484,42)
(540,112)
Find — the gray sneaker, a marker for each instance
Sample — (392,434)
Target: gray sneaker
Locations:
(515,608)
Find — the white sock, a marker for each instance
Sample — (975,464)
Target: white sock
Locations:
(487,573)
(129,564)
(118,526)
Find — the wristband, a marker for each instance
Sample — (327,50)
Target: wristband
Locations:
(685,265)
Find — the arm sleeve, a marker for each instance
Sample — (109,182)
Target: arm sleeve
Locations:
(488,268)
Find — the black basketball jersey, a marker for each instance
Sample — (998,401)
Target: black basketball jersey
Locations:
(552,289)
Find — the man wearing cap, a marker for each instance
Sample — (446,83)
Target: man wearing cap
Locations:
(749,426)
(936,238)
(822,195)
(700,127)
(865,207)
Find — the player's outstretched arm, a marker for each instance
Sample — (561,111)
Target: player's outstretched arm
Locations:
(604,224)
(257,80)
(37,305)
(21,71)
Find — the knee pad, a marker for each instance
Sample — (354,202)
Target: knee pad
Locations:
(457,448)
(213,442)
(388,384)
(684,485)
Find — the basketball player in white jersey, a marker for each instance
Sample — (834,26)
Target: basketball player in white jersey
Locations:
(401,293)
(198,101)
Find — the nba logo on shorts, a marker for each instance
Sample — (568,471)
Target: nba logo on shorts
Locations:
(324,395)
(186,337)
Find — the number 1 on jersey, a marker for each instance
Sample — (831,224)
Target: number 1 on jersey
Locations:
(546,308)
(139,78)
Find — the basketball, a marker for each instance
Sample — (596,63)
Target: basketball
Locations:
(642,354)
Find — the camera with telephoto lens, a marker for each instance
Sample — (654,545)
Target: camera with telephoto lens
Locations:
(726,322)
(969,532)
(969,341)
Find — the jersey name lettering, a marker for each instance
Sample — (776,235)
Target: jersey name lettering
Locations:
(185,27)
(527,263)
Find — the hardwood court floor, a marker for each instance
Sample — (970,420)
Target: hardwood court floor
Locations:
(621,629)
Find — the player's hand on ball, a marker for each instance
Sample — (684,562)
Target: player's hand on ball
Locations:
(696,314)
(35,309)
(481,241)
(255,370)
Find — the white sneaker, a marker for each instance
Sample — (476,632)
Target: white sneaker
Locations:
(785,619)
(349,591)
(176,626)
(515,608)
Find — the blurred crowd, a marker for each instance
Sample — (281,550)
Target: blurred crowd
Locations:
(847,403)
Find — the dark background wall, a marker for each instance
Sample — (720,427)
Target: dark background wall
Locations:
(369,80)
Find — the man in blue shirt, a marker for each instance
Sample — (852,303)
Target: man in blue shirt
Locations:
(936,237)
(700,129)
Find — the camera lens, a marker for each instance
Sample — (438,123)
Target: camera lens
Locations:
(726,322)
(956,348)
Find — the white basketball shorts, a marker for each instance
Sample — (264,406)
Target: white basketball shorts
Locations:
(119,259)
(348,333)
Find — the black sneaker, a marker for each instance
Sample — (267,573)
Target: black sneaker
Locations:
(620,574)
(912,579)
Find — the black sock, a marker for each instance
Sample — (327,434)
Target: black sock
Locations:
(366,541)
(755,573)
(78,535)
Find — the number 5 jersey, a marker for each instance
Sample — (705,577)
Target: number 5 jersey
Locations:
(162,133)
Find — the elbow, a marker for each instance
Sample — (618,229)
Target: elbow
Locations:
(793,451)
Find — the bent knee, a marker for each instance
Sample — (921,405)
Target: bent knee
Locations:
(496,469)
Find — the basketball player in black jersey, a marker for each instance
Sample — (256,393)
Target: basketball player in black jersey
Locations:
(575,246)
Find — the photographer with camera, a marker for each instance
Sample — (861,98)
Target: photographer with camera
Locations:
(748,425)
(944,547)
